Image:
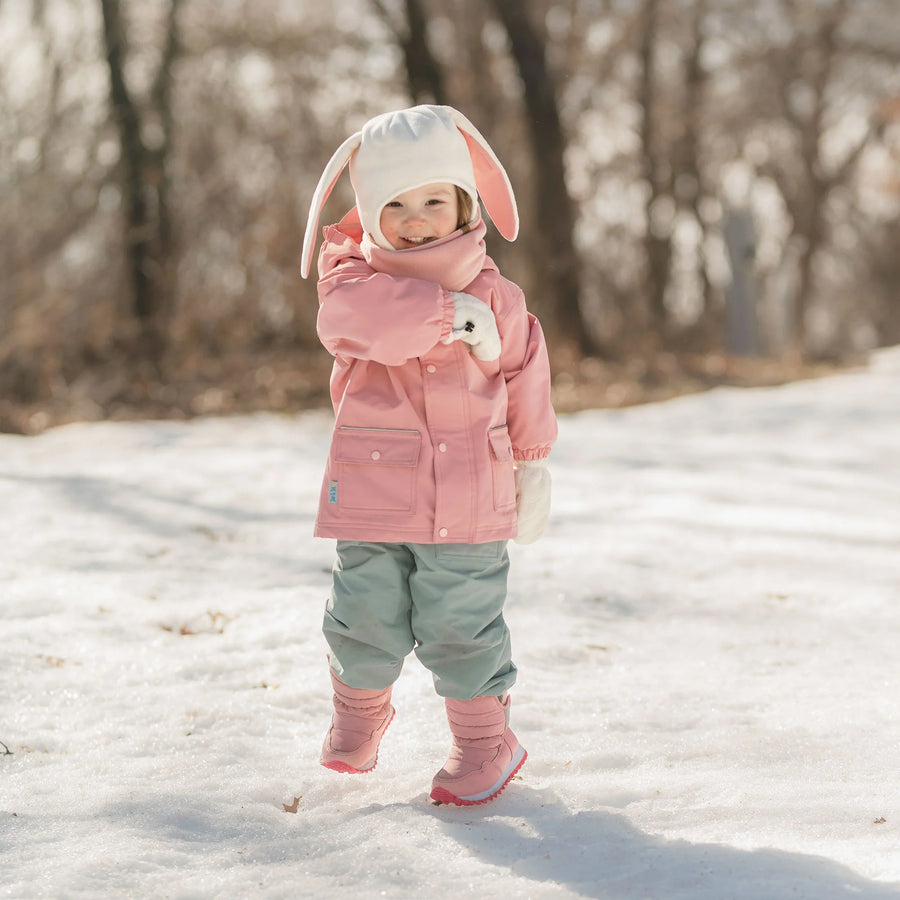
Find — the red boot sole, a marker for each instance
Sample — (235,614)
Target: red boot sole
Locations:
(442,795)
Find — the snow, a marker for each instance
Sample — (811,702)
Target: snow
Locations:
(707,640)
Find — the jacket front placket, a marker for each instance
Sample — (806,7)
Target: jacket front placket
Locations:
(448,419)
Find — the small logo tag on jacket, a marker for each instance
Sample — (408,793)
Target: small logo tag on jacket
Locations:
(332,491)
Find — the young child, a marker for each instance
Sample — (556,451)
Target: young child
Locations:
(441,391)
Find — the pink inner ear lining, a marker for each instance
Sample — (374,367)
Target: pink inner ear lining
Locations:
(494,188)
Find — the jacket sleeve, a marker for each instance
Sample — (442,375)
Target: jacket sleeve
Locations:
(526,367)
(364,314)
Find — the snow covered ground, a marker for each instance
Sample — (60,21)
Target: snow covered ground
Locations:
(708,640)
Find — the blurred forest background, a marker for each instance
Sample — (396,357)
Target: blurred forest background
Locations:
(709,189)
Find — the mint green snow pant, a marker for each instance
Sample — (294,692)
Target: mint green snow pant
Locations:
(445,601)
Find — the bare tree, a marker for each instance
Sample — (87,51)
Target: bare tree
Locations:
(810,62)
(145,178)
(49,217)
(690,187)
(423,71)
(657,172)
(560,270)
(672,119)
(798,91)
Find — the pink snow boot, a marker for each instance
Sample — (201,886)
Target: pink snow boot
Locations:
(485,753)
(360,719)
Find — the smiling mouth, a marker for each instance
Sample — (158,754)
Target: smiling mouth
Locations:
(417,240)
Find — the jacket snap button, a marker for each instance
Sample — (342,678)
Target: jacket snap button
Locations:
(443,532)
(376,454)
(431,369)
(442,447)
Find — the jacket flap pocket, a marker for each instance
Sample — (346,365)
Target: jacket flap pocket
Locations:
(377,446)
(500,443)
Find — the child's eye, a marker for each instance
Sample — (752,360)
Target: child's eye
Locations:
(434,202)
(396,204)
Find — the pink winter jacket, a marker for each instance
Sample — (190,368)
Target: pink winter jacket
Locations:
(425,434)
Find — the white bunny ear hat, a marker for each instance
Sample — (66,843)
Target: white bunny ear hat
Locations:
(403,150)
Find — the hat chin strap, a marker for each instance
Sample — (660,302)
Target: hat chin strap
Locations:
(491,181)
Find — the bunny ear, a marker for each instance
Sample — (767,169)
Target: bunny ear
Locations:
(490,178)
(323,189)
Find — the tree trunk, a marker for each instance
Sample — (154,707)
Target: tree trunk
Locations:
(658,176)
(147,228)
(695,86)
(426,80)
(807,202)
(559,264)
(817,186)
(424,75)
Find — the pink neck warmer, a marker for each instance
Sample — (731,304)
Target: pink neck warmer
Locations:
(452,262)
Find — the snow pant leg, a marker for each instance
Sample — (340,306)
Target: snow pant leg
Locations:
(367,618)
(458,592)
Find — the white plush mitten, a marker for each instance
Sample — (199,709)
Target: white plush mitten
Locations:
(474,324)
(532,499)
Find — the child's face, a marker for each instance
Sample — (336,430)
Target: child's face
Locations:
(421,215)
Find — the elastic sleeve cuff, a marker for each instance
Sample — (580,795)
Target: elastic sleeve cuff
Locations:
(533,458)
(449,311)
